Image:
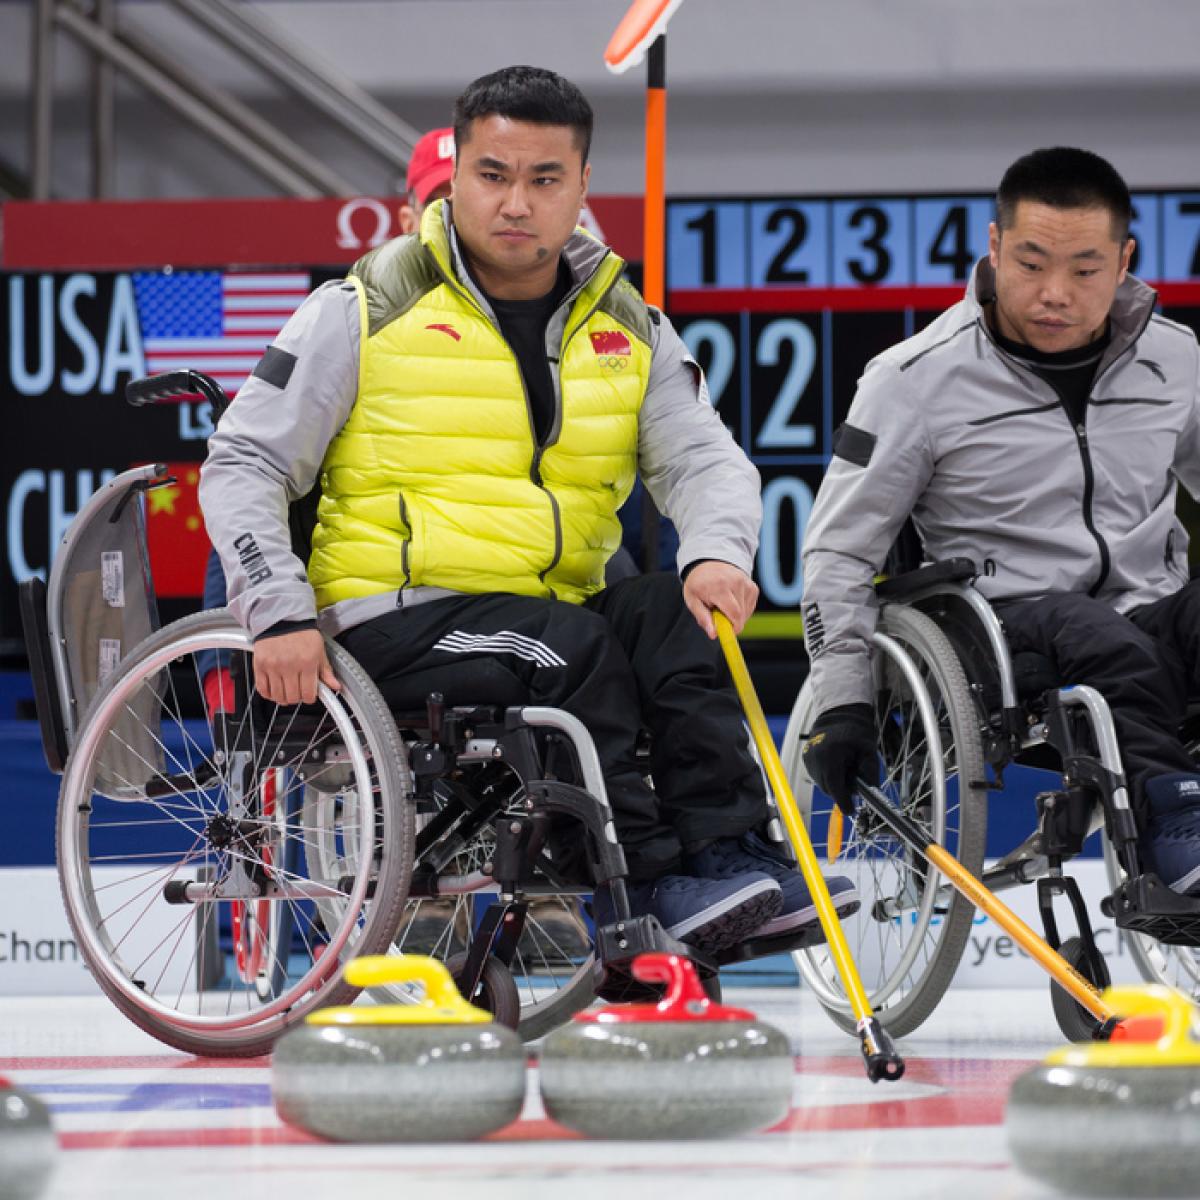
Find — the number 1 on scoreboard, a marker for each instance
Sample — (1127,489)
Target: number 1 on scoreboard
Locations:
(706,245)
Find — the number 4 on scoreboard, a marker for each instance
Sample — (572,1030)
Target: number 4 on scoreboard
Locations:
(951,234)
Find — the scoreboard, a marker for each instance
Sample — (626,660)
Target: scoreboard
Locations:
(784,301)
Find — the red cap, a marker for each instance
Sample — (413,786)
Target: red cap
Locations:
(431,164)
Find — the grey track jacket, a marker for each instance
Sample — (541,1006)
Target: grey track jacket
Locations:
(949,428)
(269,446)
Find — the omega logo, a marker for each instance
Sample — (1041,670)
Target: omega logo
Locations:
(347,239)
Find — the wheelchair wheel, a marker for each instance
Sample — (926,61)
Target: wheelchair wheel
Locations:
(912,929)
(553,961)
(1157,962)
(1076,1023)
(182,849)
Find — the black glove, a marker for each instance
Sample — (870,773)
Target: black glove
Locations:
(843,746)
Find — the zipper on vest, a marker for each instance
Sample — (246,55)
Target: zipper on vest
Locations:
(556,425)
(1089,485)
(404,548)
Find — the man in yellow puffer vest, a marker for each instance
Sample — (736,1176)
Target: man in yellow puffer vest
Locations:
(475,402)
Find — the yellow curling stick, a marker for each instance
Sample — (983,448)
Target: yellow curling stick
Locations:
(883,1061)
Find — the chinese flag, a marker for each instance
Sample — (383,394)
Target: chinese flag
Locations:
(175,531)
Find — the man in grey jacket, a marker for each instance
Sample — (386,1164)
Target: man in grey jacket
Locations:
(1039,427)
(472,451)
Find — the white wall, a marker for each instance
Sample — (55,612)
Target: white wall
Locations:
(766,95)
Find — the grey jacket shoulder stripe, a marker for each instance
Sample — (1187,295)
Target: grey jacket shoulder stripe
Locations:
(1174,326)
(938,345)
(395,276)
(625,305)
(1156,403)
(1014,412)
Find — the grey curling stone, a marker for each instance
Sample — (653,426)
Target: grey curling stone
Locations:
(28,1147)
(685,1068)
(1115,1132)
(437,1071)
(1111,1119)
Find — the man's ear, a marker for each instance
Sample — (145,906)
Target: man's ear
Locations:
(1126,259)
(994,245)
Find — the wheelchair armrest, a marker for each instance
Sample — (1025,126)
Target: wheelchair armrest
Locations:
(912,583)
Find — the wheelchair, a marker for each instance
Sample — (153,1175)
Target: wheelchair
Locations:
(951,703)
(221,857)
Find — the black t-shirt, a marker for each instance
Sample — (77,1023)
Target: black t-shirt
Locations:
(1070,373)
(523,324)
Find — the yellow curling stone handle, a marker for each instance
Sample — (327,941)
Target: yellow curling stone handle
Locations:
(1159,1028)
(442,1003)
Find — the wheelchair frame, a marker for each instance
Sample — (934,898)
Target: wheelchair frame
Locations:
(1077,724)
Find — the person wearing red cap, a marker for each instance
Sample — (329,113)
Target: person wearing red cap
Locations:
(429,175)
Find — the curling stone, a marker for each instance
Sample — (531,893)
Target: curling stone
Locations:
(1117,1118)
(436,1070)
(683,1068)
(27,1143)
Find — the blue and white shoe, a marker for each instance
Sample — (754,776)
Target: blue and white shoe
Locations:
(1172,838)
(709,914)
(733,856)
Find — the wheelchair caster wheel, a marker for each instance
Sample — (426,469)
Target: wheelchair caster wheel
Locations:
(497,991)
(1118,1118)
(1076,1023)
(682,1068)
(27,1144)
(435,1070)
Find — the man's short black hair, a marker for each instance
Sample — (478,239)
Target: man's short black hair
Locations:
(1065,177)
(530,94)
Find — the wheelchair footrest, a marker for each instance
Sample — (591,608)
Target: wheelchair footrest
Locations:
(783,943)
(1146,905)
(618,944)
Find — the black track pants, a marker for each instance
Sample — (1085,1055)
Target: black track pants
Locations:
(1144,664)
(632,657)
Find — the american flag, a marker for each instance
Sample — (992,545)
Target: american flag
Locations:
(213,321)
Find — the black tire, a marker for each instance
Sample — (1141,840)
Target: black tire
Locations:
(497,990)
(1076,1023)
(188,778)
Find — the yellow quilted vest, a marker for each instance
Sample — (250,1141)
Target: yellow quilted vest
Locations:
(436,478)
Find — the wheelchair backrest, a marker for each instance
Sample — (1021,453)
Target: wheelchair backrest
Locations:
(99,605)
